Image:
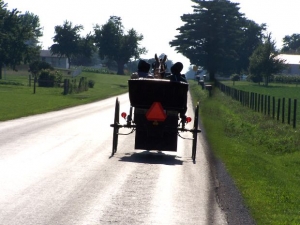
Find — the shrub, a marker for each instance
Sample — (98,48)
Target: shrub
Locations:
(235,77)
(48,78)
(91,83)
(255,78)
(36,66)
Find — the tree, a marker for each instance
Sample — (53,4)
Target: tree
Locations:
(264,61)
(253,35)
(67,40)
(212,36)
(291,44)
(86,51)
(114,44)
(14,37)
(35,68)
(33,51)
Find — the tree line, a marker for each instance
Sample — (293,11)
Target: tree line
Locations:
(216,37)
(19,34)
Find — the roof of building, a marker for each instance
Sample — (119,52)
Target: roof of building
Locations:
(47,53)
(290,59)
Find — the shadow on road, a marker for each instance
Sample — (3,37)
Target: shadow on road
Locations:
(150,157)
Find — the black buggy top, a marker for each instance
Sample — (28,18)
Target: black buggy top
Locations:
(172,95)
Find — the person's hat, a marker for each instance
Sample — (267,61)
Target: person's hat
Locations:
(176,68)
(143,66)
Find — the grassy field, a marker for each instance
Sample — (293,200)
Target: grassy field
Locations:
(279,91)
(261,154)
(276,90)
(17,98)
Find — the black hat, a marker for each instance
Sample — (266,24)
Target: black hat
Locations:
(143,66)
(176,68)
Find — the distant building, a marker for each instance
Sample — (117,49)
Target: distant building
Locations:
(54,60)
(293,62)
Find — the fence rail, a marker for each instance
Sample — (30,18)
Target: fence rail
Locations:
(280,109)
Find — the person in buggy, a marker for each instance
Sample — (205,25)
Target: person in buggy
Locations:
(143,70)
(176,73)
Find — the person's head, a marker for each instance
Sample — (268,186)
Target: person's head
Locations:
(143,66)
(176,68)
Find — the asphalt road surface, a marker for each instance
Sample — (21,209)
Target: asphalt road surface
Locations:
(56,168)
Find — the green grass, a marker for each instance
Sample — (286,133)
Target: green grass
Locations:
(279,91)
(261,154)
(19,100)
(276,90)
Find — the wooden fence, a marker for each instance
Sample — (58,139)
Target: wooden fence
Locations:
(71,86)
(281,109)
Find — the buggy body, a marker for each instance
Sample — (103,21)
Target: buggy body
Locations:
(156,114)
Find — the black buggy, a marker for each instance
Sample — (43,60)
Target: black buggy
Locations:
(156,115)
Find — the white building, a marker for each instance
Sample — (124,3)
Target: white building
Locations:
(293,62)
(54,60)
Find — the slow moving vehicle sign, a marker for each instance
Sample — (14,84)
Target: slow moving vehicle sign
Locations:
(156,112)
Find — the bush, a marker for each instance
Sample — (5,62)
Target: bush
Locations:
(48,78)
(255,78)
(91,83)
(36,66)
(235,77)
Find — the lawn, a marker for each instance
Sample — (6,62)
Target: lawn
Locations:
(279,91)
(18,100)
(261,154)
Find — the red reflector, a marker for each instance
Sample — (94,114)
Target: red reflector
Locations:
(156,112)
(188,119)
(123,114)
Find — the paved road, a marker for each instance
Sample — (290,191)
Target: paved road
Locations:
(56,169)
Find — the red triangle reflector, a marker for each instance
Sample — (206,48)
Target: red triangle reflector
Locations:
(156,112)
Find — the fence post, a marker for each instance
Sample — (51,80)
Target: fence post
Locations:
(255,103)
(283,109)
(289,111)
(273,106)
(262,103)
(265,109)
(295,113)
(66,86)
(251,100)
(209,88)
(278,109)
(201,82)
(269,105)
(258,103)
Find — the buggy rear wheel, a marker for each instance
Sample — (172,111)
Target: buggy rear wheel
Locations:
(116,128)
(195,132)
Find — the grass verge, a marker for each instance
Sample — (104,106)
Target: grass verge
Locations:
(19,100)
(260,154)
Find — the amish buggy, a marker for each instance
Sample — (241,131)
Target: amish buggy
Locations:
(156,115)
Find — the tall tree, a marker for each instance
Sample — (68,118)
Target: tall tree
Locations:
(211,37)
(33,49)
(291,44)
(14,37)
(253,35)
(86,50)
(114,44)
(264,61)
(67,40)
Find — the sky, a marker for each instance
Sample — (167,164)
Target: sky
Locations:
(156,20)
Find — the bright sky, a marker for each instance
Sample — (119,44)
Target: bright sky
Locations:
(157,20)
